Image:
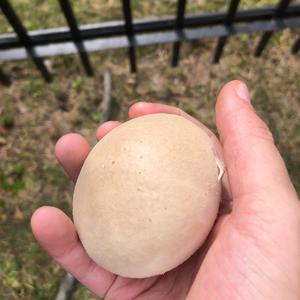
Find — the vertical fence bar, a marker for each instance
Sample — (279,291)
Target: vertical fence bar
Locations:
(71,20)
(181,5)
(5,80)
(130,33)
(279,13)
(24,38)
(296,46)
(233,6)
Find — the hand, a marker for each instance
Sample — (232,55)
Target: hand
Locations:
(252,252)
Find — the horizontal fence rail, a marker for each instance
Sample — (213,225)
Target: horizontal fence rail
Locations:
(132,33)
(24,38)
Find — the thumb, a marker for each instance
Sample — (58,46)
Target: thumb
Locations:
(254,165)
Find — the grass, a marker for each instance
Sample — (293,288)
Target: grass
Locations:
(36,114)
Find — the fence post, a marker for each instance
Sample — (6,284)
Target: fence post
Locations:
(76,35)
(130,34)
(5,80)
(296,46)
(181,5)
(279,13)
(234,4)
(24,38)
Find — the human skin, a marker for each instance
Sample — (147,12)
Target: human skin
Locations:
(253,251)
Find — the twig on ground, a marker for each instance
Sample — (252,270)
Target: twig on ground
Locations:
(105,106)
(66,287)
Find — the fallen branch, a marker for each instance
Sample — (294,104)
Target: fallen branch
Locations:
(105,106)
(66,287)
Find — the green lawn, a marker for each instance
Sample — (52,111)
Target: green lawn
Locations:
(30,176)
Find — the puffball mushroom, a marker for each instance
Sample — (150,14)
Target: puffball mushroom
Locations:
(147,195)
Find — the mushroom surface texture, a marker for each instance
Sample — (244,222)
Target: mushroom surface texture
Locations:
(147,195)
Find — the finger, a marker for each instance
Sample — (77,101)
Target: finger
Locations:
(254,164)
(71,151)
(144,108)
(105,128)
(56,234)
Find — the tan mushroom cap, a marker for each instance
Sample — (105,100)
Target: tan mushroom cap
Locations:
(147,195)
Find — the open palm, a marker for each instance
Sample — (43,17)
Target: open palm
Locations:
(252,252)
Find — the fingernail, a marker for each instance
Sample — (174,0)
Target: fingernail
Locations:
(243,92)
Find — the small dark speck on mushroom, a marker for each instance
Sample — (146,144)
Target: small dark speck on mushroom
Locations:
(113,162)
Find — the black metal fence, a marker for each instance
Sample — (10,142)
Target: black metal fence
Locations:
(133,33)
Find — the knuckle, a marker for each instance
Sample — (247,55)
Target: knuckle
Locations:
(245,126)
(261,130)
